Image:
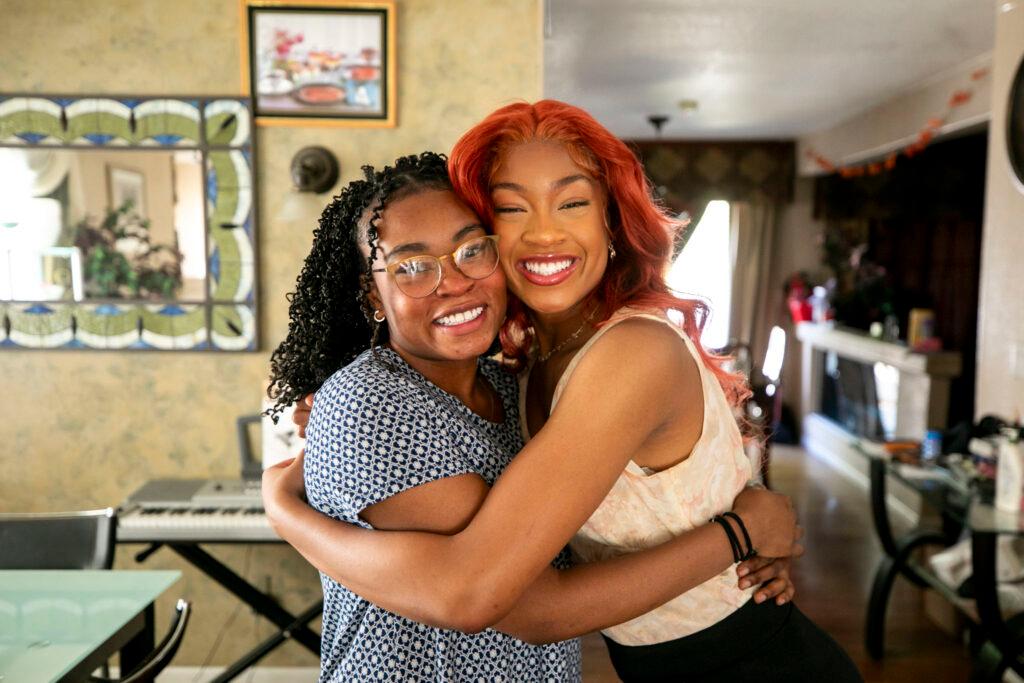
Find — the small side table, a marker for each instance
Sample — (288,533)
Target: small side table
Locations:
(1001,641)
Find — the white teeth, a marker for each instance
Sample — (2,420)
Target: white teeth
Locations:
(460,318)
(547,267)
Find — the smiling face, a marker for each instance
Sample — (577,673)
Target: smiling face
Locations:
(460,319)
(550,214)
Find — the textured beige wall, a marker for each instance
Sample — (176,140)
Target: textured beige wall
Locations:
(83,429)
(897,121)
(1000,382)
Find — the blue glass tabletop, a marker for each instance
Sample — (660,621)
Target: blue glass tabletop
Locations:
(51,620)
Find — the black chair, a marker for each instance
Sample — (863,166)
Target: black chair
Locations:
(765,405)
(157,661)
(81,540)
(763,409)
(58,540)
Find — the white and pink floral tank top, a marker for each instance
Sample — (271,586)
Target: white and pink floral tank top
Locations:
(644,509)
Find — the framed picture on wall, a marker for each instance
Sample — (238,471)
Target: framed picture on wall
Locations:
(320,62)
(126,185)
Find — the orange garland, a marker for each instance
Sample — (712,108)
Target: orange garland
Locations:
(957,99)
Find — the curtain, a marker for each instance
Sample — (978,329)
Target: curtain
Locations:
(752,232)
(694,212)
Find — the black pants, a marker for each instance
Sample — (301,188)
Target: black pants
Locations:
(757,643)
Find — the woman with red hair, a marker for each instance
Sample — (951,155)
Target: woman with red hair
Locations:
(632,437)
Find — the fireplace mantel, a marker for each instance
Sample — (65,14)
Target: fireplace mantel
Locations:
(924,378)
(921,403)
(859,346)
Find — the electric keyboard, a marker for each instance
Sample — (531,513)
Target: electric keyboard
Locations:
(195,510)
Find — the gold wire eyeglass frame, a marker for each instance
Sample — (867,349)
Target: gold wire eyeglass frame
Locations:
(391,268)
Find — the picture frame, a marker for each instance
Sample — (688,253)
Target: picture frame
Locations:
(124,185)
(320,62)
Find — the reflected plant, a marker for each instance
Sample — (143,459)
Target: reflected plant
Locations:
(119,261)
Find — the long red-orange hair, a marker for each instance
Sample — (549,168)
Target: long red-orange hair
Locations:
(642,231)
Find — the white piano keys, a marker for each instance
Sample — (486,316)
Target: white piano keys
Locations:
(200,524)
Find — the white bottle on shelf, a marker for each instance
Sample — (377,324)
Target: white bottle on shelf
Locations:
(1010,473)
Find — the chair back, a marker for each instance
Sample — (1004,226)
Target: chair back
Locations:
(62,540)
(774,356)
(163,653)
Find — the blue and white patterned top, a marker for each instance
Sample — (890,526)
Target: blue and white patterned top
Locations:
(378,427)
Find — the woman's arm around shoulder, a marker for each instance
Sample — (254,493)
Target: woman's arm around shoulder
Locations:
(613,403)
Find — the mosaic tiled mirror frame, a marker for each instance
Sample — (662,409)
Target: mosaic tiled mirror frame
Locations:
(221,129)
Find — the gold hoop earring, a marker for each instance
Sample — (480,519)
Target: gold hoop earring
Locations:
(379,320)
(611,244)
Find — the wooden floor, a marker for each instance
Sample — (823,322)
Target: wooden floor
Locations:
(833,580)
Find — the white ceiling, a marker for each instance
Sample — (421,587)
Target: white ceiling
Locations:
(758,68)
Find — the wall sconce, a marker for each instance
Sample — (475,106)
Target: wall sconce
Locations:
(314,169)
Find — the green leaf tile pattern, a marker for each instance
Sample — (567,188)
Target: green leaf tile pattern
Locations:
(230,212)
(227,123)
(19,115)
(102,121)
(47,330)
(102,324)
(164,118)
(233,328)
(97,117)
(174,330)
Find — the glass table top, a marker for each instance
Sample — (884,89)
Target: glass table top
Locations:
(51,620)
(951,495)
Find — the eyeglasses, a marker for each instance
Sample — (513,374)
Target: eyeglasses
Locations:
(419,276)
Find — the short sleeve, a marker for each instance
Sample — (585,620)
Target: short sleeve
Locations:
(372,435)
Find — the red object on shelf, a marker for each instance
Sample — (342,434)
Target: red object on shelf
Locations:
(799,310)
(928,345)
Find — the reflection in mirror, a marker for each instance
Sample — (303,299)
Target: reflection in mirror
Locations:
(101,224)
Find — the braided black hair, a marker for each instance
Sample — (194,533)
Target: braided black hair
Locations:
(331,317)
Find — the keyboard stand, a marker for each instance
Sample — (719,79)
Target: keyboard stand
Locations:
(291,626)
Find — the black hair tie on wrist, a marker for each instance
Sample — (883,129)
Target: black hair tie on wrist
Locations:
(734,542)
(743,529)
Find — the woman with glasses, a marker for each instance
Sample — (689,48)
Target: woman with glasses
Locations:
(397,301)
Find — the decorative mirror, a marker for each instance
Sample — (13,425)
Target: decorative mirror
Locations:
(127,223)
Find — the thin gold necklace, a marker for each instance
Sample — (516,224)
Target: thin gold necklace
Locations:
(565,342)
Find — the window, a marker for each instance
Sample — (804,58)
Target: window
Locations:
(704,270)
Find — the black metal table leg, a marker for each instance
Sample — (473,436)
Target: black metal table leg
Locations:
(879,511)
(242,589)
(888,568)
(264,648)
(141,645)
(874,631)
(896,561)
(990,662)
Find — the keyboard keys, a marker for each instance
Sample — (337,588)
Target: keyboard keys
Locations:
(207,524)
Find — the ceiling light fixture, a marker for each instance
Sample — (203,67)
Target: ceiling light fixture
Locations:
(688,107)
(657,121)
